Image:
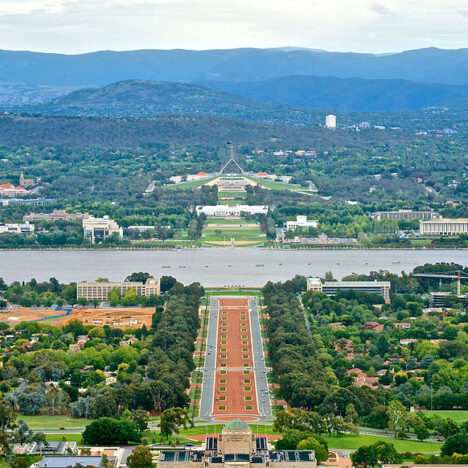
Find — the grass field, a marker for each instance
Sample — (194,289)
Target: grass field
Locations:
(223,233)
(271,184)
(68,437)
(458,416)
(350,442)
(188,185)
(53,422)
(227,221)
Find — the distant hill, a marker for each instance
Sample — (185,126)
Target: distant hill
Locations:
(289,100)
(350,94)
(101,68)
(138,98)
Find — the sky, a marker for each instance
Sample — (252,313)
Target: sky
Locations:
(375,26)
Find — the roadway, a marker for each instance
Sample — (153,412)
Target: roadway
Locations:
(263,395)
(206,401)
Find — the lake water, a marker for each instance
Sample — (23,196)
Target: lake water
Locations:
(212,267)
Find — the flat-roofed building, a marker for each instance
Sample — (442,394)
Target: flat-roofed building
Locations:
(330,288)
(100,228)
(405,214)
(100,289)
(443,227)
(301,222)
(14,228)
(56,215)
(222,211)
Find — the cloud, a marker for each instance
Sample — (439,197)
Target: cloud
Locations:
(380,9)
(74,26)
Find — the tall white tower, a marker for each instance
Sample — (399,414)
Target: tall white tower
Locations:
(330,121)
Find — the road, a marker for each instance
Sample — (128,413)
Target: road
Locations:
(206,402)
(263,396)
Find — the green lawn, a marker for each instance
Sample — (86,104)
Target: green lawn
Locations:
(253,234)
(189,185)
(350,442)
(214,220)
(273,185)
(53,422)
(68,437)
(458,416)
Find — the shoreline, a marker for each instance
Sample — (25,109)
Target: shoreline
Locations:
(211,248)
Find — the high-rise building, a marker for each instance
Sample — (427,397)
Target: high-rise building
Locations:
(330,121)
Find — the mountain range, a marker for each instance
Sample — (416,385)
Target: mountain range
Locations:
(429,65)
(274,85)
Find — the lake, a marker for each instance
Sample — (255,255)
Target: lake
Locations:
(212,267)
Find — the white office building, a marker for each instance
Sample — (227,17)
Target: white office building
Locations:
(13,228)
(301,222)
(100,289)
(330,121)
(100,228)
(330,288)
(443,227)
(234,211)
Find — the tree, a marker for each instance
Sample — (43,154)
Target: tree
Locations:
(141,419)
(104,431)
(140,458)
(421,431)
(172,420)
(455,444)
(7,415)
(321,453)
(374,455)
(114,297)
(396,416)
(130,297)
(139,277)
(166,283)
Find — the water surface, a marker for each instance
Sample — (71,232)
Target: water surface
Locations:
(212,267)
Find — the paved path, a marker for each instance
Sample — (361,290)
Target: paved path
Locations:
(206,402)
(263,396)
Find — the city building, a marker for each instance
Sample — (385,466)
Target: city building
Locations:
(237,446)
(23,201)
(10,190)
(405,214)
(100,228)
(443,227)
(100,290)
(438,299)
(330,288)
(41,448)
(232,182)
(301,222)
(227,210)
(56,215)
(330,121)
(15,228)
